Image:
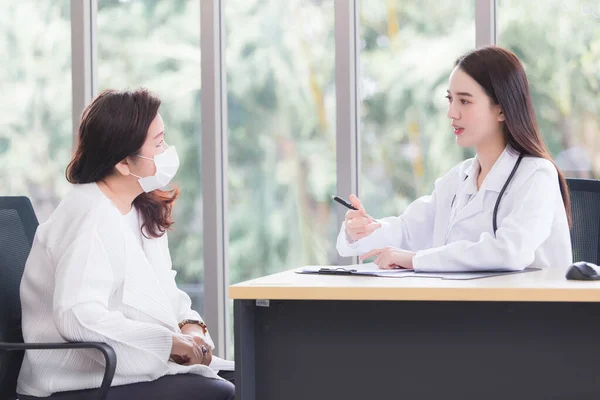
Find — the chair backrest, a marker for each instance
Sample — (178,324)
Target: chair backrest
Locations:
(18,224)
(585,207)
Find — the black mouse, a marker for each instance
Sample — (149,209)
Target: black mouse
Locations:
(583,271)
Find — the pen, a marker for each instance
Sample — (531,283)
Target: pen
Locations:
(344,203)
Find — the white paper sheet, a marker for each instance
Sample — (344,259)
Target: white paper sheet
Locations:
(219,364)
(460,276)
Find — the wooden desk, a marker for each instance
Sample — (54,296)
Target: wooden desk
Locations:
(545,285)
(523,336)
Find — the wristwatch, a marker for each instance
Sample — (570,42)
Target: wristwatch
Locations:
(201,324)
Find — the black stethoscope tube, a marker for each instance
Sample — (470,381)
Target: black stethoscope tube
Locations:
(494,223)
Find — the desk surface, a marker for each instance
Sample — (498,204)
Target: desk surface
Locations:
(545,285)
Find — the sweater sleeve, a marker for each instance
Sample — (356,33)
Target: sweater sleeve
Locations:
(83,285)
(181,302)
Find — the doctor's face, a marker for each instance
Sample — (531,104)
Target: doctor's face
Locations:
(154,145)
(474,118)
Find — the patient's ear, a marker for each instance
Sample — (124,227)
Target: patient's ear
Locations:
(123,167)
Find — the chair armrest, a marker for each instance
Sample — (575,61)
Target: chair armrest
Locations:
(108,352)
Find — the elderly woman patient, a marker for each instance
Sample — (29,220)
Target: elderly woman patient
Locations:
(100,270)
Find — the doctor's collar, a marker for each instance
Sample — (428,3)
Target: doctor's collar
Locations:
(498,174)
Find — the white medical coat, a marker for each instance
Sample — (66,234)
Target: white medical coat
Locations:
(531,220)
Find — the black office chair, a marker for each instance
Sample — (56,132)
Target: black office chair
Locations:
(585,207)
(18,224)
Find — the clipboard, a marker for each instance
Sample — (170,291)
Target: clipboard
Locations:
(367,269)
(371,269)
(330,271)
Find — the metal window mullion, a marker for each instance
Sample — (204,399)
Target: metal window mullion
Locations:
(347,103)
(83,58)
(485,23)
(214,173)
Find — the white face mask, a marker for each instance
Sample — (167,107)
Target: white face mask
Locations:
(167,164)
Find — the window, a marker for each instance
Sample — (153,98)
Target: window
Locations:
(559,45)
(407,51)
(162,53)
(36,130)
(281,116)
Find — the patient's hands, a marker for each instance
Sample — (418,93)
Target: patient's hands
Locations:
(190,350)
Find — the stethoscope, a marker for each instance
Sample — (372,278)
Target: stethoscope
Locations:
(494,224)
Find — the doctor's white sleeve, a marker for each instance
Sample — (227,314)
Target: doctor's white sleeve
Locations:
(181,301)
(83,285)
(518,237)
(413,230)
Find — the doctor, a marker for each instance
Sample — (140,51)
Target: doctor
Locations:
(100,270)
(506,209)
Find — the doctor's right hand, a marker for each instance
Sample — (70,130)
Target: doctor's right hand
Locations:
(358,223)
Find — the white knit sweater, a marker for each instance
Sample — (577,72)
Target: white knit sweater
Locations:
(88,279)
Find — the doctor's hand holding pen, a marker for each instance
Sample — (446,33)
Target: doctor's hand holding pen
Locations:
(358,223)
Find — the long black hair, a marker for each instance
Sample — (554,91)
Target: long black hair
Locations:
(502,76)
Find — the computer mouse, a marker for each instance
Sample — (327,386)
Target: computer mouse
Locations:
(584,271)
